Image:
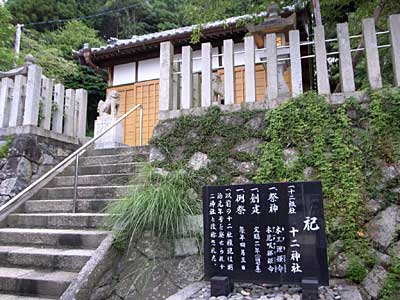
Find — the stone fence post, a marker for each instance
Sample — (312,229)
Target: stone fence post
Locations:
(166,60)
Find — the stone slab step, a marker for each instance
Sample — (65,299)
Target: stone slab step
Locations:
(115,151)
(133,167)
(111,159)
(44,258)
(34,282)
(65,205)
(93,180)
(52,238)
(56,220)
(14,297)
(84,192)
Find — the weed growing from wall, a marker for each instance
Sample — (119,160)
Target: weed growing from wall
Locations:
(5,147)
(158,204)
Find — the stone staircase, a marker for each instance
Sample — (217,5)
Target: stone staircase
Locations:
(43,246)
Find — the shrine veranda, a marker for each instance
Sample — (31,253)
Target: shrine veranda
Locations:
(271,233)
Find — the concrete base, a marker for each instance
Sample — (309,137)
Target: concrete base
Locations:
(112,139)
(334,99)
(34,130)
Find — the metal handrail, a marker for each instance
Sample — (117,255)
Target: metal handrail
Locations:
(75,155)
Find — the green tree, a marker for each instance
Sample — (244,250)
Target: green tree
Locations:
(6,39)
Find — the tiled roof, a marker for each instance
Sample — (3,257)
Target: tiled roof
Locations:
(136,39)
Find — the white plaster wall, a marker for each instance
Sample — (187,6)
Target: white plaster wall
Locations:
(149,69)
(124,74)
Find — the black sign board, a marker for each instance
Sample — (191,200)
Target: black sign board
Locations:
(271,233)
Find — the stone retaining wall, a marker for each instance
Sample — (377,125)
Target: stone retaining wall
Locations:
(29,157)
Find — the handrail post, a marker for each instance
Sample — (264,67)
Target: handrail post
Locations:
(75,184)
(140,125)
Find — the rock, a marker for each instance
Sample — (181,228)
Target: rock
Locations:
(374,281)
(186,247)
(186,271)
(240,180)
(27,147)
(243,167)
(24,169)
(339,266)
(156,155)
(48,159)
(389,173)
(382,229)
(396,249)
(373,206)
(12,186)
(163,128)
(101,293)
(153,248)
(256,123)
(233,120)
(309,173)
(383,259)
(212,178)
(161,171)
(198,161)
(349,292)
(290,156)
(335,248)
(250,146)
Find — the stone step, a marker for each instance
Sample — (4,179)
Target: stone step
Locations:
(56,220)
(65,205)
(35,282)
(14,297)
(116,151)
(52,238)
(44,258)
(93,180)
(84,192)
(104,169)
(111,159)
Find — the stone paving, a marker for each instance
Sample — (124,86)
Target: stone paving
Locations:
(243,291)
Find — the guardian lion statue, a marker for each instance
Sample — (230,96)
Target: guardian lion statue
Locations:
(218,89)
(110,106)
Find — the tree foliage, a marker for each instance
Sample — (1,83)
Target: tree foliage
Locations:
(6,39)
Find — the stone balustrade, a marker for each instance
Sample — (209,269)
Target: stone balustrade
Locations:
(181,97)
(28,98)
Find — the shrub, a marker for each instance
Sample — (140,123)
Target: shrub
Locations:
(391,287)
(356,270)
(159,203)
(5,147)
